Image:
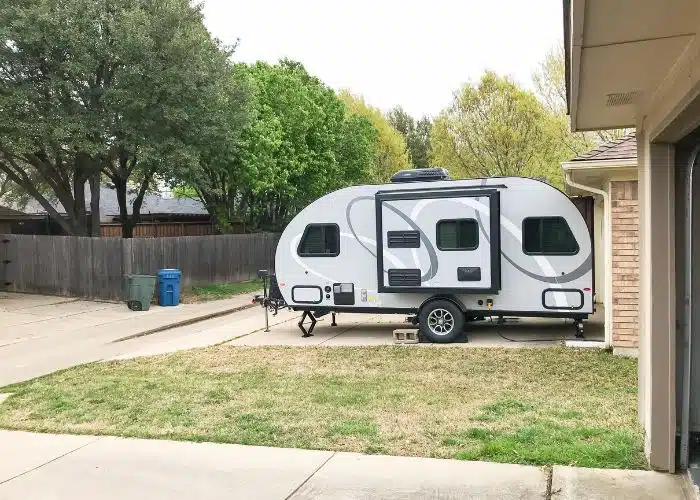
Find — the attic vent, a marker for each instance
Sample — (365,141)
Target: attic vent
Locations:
(622,98)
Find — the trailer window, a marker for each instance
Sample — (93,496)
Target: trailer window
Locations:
(457,234)
(548,236)
(320,240)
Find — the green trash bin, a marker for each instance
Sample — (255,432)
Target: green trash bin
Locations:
(138,291)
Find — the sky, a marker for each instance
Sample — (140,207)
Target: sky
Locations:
(410,53)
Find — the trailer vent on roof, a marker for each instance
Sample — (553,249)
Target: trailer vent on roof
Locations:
(421,175)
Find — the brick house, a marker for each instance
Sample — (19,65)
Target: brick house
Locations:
(609,173)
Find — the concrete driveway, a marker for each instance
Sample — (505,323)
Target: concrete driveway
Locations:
(39,334)
(377,329)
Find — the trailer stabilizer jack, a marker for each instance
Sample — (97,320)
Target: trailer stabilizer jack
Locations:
(307,333)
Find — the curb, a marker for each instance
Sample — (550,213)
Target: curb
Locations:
(184,322)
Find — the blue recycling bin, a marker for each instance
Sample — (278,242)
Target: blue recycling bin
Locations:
(169,287)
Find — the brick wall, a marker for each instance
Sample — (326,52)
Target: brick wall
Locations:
(625,263)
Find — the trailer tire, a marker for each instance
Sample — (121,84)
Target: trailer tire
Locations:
(441,321)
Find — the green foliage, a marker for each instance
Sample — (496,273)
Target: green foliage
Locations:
(390,154)
(550,86)
(95,87)
(299,144)
(495,128)
(184,192)
(416,134)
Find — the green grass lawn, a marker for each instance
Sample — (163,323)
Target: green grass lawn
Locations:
(530,406)
(220,291)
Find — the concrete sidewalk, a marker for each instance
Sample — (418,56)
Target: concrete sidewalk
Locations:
(43,466)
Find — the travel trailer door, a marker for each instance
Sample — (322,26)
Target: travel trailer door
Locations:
(439,240)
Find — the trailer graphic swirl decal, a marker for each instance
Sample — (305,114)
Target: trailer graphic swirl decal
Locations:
(543,263)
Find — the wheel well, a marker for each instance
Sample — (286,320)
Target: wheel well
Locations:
(450,298)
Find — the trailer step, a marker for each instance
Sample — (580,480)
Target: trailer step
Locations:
(406,336)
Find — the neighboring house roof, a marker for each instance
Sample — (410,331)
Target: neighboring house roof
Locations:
(7,213)
(153,204)
(624,148)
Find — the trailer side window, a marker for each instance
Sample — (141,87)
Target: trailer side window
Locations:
(457,234)
(548,236)
(320,240)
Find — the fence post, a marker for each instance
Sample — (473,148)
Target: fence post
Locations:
(126,255)
(5,261)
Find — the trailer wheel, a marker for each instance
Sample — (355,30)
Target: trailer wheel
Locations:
(441,321)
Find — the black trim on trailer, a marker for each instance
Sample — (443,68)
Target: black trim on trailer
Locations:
(438,290)
(386,310)
(440,193)
(320,294)
(475,312)
(451,298)
(544,292)
(380,244)
(495,222)
(433,193)
(475,187)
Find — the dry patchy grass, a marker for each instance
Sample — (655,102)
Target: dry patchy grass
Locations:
(203,293)
(537,406)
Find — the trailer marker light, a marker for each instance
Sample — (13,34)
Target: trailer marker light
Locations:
(586,289)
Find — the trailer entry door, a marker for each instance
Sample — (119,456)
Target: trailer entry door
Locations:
(438,240)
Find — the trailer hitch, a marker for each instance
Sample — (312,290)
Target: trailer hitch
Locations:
(271,299)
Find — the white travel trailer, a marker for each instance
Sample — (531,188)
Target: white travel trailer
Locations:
(445,250)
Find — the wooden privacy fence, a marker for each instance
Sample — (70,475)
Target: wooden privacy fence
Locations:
(161,229)
(93,267)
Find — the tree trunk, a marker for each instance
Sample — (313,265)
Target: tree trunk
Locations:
(138,201)
(95,204)
(79,181)
(128,228)
(120,187)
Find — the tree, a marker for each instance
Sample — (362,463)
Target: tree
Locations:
(390,154)
(299,144)
(495,128)
(550,84)
(46,139)
(102,87)
(416,134)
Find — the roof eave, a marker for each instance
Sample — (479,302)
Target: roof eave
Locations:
(593,164)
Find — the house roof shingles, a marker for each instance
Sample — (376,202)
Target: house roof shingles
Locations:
(624,148)
(10,213)
(109,207)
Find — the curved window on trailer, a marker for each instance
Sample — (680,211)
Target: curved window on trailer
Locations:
(320,240)
(548,236)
